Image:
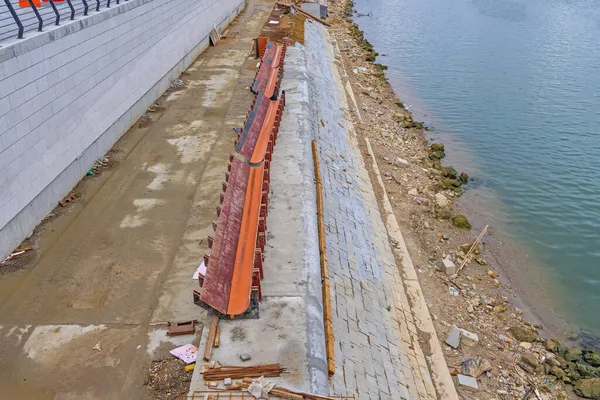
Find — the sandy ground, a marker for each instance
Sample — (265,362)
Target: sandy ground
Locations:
(109,269)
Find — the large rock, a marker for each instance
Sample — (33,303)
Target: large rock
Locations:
(523,333)
(573,354)
(557,372)
(441,201)
(460,221)
(437,147)
(450,172)
(592,358)
(551,345)
(530,359)
(588,388)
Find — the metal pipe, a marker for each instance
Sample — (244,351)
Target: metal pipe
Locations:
(72,10)
(16,18)
(55,12)
(37,14)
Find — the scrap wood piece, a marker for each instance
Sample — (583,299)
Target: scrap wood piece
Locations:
(217,338)
(326,292)
(211,337)
(472,249)
(214,36)
(310,16)
(69,199)
(238,372)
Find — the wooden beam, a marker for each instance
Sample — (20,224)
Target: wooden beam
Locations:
(327,313)
(217,337)
(211,337)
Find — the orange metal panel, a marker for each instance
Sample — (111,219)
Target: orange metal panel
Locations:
(272,83)
(265,133)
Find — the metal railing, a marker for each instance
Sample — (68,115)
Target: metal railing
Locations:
(17,19)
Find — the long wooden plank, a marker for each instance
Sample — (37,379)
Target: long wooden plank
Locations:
(214,323)
(327,314)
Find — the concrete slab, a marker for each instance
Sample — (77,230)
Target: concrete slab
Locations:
(290,328)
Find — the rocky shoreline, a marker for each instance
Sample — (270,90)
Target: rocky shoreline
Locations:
(487,338)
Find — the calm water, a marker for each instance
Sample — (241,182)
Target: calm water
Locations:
(514,86)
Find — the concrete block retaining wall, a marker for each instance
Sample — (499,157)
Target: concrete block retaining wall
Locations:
(68,94)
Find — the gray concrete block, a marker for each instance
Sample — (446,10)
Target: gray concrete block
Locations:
(449,266)
(469,381)
(453,338)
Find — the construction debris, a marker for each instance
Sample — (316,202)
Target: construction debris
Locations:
(453,338)
(16,253)
(217,338)
(254,371)
(69,199)
(187,353)
(211,337)
(182,328)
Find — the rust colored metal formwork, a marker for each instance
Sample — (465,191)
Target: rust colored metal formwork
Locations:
(253,124)
(216,288)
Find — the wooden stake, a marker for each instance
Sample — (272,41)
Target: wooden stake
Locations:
(475,243)
(217,337)
(327,314)
(211,337)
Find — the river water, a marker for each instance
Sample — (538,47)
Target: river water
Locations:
(513,88)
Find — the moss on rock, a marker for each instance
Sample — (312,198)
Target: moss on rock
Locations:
(460,221)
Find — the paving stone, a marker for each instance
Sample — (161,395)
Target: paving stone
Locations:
(375,351)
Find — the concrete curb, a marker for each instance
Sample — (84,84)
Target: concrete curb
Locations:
(437,364)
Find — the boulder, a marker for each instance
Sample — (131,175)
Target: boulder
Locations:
(573,354)
(523,333)
(450,172)
(557,372)
(592,358)
(441,201)
(436,155)
(551,345)
(530,359)
(553,362)
(464,178)
(460,221)
(437,147)
(588,388)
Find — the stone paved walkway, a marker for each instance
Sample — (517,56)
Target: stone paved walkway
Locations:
(377,356)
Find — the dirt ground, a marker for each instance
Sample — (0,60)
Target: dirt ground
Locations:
(83,314)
